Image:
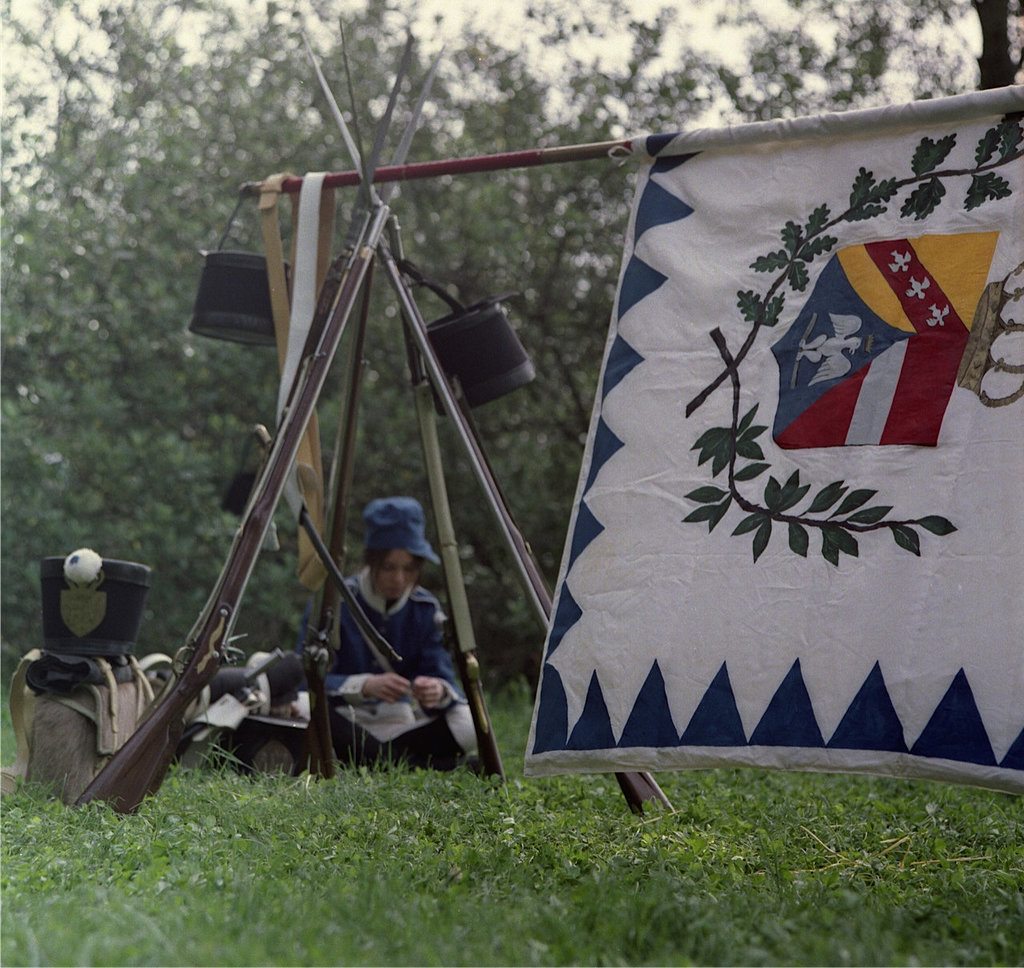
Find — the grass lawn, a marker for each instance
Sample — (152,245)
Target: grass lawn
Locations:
(398,868)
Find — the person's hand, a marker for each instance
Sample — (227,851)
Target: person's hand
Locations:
(389,686)
(428,691)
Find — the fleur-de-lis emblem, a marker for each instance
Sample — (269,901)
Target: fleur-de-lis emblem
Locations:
(938,317)
(900,261)
(918,286)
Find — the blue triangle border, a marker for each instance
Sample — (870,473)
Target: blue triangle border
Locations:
(606,445)
(789,719)
(552,720)
(955,730)
(650,720)
(593,730)
(870,722)
(716,720)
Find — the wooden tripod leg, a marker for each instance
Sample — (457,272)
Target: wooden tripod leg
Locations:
(641,788)
(461,625)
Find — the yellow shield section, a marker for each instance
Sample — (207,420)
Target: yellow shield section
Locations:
(82,608)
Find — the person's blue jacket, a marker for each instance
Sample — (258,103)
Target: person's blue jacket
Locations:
(412,627)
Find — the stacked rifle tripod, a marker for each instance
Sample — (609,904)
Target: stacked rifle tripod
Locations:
(429,378)
(137,769)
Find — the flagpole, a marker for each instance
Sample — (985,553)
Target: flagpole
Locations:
(957,107)
(615,150)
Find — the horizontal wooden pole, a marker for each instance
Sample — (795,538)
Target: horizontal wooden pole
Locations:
(462,166)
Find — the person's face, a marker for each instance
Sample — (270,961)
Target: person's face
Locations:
(396,574)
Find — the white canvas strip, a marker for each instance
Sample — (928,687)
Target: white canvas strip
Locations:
(304,281)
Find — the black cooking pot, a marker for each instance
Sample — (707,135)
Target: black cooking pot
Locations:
(478,345)
(233,301)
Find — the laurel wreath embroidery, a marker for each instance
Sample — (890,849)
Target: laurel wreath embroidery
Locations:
(838,511)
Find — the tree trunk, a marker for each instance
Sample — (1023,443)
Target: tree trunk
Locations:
(998,68)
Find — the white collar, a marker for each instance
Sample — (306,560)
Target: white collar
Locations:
(374,599)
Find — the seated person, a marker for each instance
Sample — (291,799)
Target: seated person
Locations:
(411,710)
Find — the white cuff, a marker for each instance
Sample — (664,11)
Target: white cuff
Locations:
(450,697)
(351,689)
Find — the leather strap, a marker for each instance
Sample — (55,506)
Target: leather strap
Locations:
(314,217)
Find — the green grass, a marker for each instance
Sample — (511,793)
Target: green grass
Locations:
(751,867)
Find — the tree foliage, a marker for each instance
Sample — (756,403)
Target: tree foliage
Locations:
(121,429)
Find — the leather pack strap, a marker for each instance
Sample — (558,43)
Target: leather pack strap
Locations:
(280,301)
(22,709)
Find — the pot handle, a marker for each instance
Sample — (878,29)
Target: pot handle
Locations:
(231,222)
(413,273)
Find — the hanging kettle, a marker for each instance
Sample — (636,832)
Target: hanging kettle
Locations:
(233,300)
(477,345)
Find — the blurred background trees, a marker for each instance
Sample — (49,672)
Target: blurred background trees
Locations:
(128,127)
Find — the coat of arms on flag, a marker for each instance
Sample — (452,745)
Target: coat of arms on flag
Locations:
(798,539)
(853,374)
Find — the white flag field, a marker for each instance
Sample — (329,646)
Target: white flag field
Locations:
(798,536)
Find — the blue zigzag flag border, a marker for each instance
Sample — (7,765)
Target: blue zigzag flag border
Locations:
(639,280)
(954,731)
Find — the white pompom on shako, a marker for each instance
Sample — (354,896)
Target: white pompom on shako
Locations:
(82,567)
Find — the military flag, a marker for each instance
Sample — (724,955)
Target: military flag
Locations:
(798,536)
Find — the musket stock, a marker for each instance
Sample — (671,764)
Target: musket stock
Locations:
(138,768)
(318,749)
(318,653)
(486,742)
